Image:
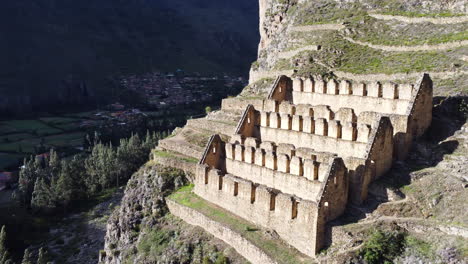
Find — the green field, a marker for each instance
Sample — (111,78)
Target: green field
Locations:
(27,126)
(20,138)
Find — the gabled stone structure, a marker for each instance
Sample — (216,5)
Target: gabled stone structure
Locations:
(313,147)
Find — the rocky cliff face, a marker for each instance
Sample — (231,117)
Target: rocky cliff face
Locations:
(140,230)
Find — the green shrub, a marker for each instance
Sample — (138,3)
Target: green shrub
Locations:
(383,247)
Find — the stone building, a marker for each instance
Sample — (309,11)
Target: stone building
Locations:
(298,158)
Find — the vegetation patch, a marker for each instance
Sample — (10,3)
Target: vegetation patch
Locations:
(167,154)
(383,247)
(323,12)
(392,33)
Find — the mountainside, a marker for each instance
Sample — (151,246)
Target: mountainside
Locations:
(416,212)
(65,52)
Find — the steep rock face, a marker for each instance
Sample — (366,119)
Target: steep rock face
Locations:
(144,196)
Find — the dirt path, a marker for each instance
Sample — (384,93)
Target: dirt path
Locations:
(317,27)
(425,47)
(416,20)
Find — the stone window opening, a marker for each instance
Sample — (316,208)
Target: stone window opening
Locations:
(220,186)
(326,204)
(335,181)
(272,201)
(252,194)
(294,209)
(206,178)
(248,120)
(214,150)
(236,188)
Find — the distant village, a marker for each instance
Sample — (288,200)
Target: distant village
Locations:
(170,89)
(162,91)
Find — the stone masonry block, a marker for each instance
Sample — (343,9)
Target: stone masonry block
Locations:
(286,108)
(305,153)
(321,127)
(239,152)
(308,85)
(297,123)
(304,110)
(245,190)
(228,184)
(264,119)
(363,133)
(230,153)
(405,91)
(268,146)
(284,206)
(332,87)
(298,85)
(323,111)
(271,106)
(320,86)
(296,166)
(345,87)
(349,131)
(287,149)
(374,89)
(251,142)
(249,155)
(283,163)
(308,124)
(236,139)
(270,160)
(360,89)
(275,120)
(345,115)
(260,157)
(334,129)
(214,179)
(390,90)
(201,174)
(310,169)
(286,121)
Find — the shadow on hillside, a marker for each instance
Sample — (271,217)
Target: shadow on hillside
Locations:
(449,115)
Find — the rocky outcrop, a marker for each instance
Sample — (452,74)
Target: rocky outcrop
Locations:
(142,231)
(142,204)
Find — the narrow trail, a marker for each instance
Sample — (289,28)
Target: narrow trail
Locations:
(317,27)
(425,47)
(417,20)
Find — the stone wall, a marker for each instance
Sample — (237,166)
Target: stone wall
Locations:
(291,217)
(248,250)
(387,97)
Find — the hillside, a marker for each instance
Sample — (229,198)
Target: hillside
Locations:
(65,53)
(416,209)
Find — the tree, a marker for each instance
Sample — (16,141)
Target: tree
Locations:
(4,254)
(208,109)
(63,188)
(41,197)
(27,258)
(42,258)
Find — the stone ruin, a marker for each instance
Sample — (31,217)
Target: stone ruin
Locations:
(311,149)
